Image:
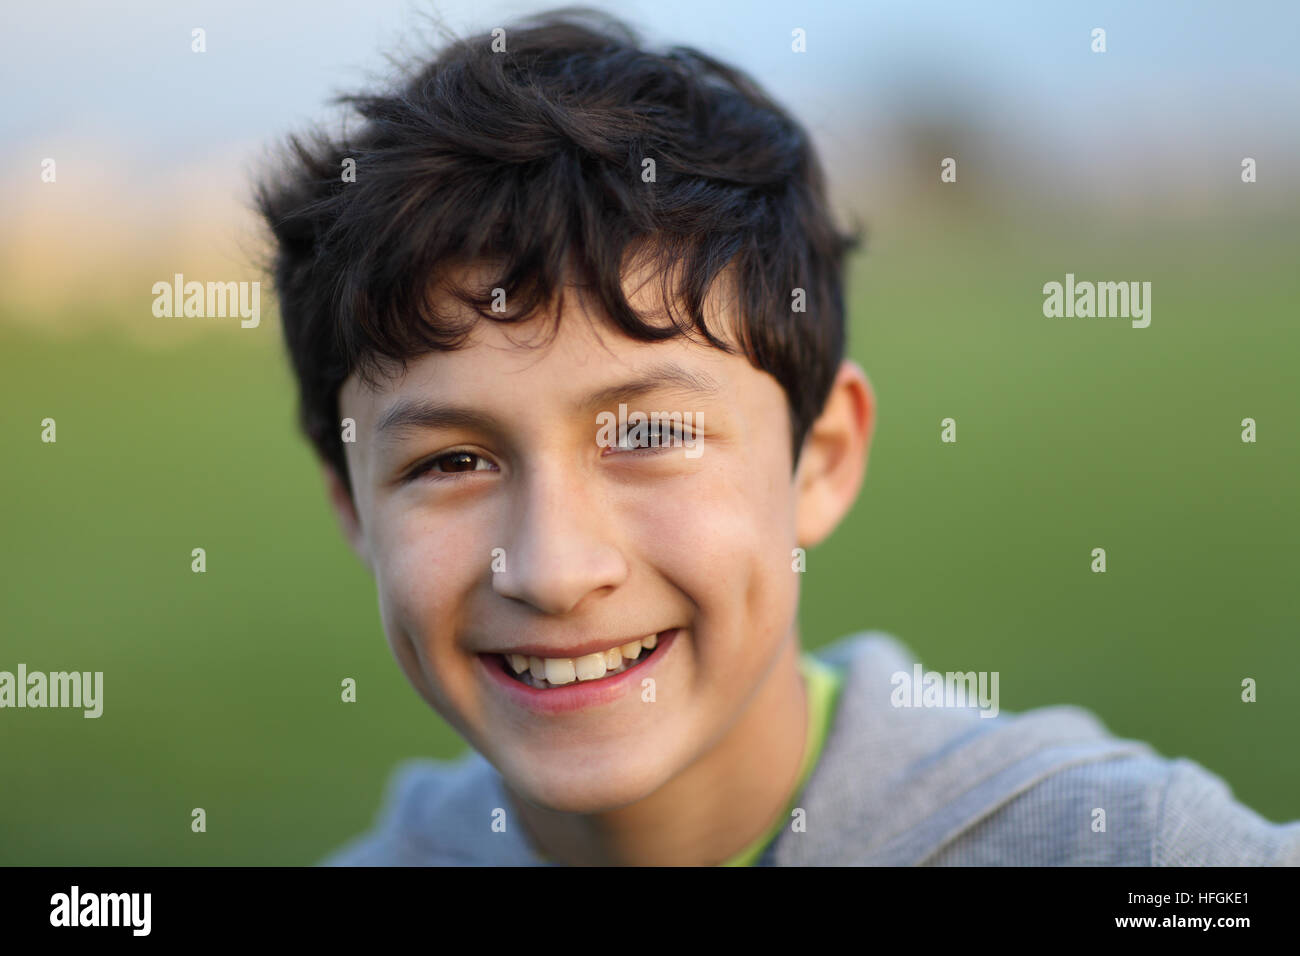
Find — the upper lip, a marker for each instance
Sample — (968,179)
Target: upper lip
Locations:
(600,645)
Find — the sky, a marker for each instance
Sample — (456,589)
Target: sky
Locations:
(157,146)
(79,69)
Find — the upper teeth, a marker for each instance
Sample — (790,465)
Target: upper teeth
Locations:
(565,670)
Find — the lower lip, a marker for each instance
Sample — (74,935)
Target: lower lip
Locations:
(578,695)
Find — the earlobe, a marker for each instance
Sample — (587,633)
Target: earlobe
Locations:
(345,510)
(833,461)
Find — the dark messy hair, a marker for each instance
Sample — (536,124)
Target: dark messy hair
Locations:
(532,159)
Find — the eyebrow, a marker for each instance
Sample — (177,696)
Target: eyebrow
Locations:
(666,376)
(420,413)
(426,414)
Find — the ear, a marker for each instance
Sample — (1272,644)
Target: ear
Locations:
(345,510)
(833,461)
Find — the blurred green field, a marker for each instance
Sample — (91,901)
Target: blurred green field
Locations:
(222,689)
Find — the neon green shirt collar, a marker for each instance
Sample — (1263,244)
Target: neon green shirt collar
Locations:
(823,684)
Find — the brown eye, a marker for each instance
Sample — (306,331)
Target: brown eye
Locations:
(457,461)
(450,463)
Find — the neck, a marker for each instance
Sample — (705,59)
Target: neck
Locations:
(713,809)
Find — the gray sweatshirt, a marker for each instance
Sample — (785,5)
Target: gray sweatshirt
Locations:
(902,786)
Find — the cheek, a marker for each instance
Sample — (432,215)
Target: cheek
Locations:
(426,568)
(724,538)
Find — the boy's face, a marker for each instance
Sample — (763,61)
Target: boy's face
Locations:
(599,547)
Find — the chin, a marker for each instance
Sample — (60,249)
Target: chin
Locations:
(589,790)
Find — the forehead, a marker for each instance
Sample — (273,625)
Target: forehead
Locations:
(576,366)
(570,356)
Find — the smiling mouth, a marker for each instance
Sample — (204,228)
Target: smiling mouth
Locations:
(543,673)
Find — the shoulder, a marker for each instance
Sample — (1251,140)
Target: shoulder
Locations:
(1202,824)
(437,813)
(901,785)
(1140,811)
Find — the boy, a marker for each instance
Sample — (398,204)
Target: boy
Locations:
(567,322)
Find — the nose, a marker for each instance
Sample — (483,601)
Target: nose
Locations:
(559,546)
